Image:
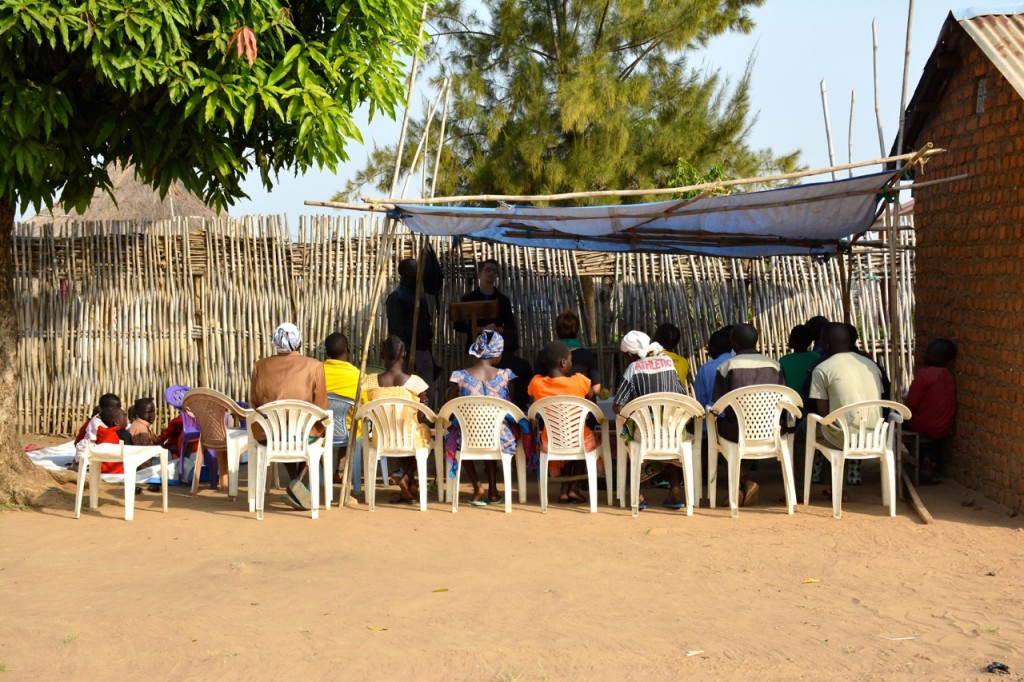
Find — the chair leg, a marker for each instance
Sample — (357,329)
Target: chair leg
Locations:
(200,461)
(734,486)
(385,476)
(521,473)
(620,472)
(261,486)
(889,484)
(453,484)
(542,481)
(314,486)
(608,484)
(635,462)
(809,453)
(592,480)
(688,482)
(506,466)
(370,480)
(328,474)
(440,473)
(421,473)
(163,477)
(712,477)
(83,472)
(251,468)
(94,484)
(130,474)
(234,457)
(838,469)
(787,477)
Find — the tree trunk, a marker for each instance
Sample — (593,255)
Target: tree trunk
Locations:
(21,481)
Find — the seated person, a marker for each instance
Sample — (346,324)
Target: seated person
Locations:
(143,412)
(797,365)
(87,432)
(113,430)
(558,379)
(719,350)
(746,368)
(667,335)
(289,375)
(341,377)
(932,399)
(844,377)
(482,377)
(395,383)
(567,330)
(648,371)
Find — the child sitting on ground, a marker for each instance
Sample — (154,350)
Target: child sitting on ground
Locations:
(556,380)
(932,399)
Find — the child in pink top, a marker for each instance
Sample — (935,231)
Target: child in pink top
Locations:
(932,399)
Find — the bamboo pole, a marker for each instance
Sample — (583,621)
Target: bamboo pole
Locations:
(711,186)
(849,143)
(828,127)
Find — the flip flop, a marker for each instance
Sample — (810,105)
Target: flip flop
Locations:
(298,491)
(396,498)
(642,505)
(673,505)
(478,503)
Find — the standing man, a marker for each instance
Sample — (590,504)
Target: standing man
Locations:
(289,375)
(400,306)
(505,322)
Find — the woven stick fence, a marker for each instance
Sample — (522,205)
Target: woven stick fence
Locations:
(135,307)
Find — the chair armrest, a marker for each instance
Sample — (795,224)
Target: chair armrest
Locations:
(793,410)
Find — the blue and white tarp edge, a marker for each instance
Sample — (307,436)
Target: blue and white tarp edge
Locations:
(799,220)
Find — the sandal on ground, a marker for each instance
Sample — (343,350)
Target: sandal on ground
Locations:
(576,498)
(396,498)
(669,504)
(827,492)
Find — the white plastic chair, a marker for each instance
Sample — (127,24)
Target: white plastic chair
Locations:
(660,434)
(758,411)
(480,419)
(392,421)
(212,411)
(132,456)
(286,425)
(865,436)
(565,418)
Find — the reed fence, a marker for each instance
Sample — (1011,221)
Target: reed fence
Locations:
(135,307)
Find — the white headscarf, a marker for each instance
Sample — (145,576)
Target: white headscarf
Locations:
(287,338)
(638,343)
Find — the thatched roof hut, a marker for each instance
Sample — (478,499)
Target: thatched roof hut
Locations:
(136,201)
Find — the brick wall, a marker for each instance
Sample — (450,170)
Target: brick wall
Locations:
(970,271)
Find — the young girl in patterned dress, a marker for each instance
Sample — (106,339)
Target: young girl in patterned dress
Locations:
(482,378)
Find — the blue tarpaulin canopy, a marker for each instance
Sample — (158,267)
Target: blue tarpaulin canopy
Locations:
(799,220)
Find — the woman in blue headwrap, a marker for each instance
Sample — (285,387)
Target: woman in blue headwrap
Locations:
(485,379)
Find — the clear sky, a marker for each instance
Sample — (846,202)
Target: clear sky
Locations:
(796,44)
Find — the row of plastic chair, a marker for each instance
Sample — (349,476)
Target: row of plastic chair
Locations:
(666,426)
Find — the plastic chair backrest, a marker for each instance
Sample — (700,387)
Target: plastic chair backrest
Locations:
(661,420)
(480,419)
(287,425)
(758,409)
(393,421)
(211,410)
(340,407)
(865,431)
(565,421)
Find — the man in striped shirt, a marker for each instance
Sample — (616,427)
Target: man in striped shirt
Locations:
(746,368)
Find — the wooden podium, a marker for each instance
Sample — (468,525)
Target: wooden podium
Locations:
(471,312)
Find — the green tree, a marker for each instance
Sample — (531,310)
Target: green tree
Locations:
(578,95)
(201,91)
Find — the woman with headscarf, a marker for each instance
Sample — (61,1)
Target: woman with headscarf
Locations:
(482,378)
(289,375)
(649,371)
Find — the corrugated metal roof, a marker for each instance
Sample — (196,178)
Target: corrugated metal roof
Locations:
(1001,38)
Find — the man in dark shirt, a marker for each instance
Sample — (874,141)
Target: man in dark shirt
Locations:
(505,322)
(400,305)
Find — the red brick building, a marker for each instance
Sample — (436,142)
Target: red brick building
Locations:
(970,239)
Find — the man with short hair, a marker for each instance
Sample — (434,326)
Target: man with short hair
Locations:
(341,376)
(719,350)
(487,290)
(746,368)
(844,377)
(400,307)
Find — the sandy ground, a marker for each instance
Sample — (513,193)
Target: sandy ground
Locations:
(207,592)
